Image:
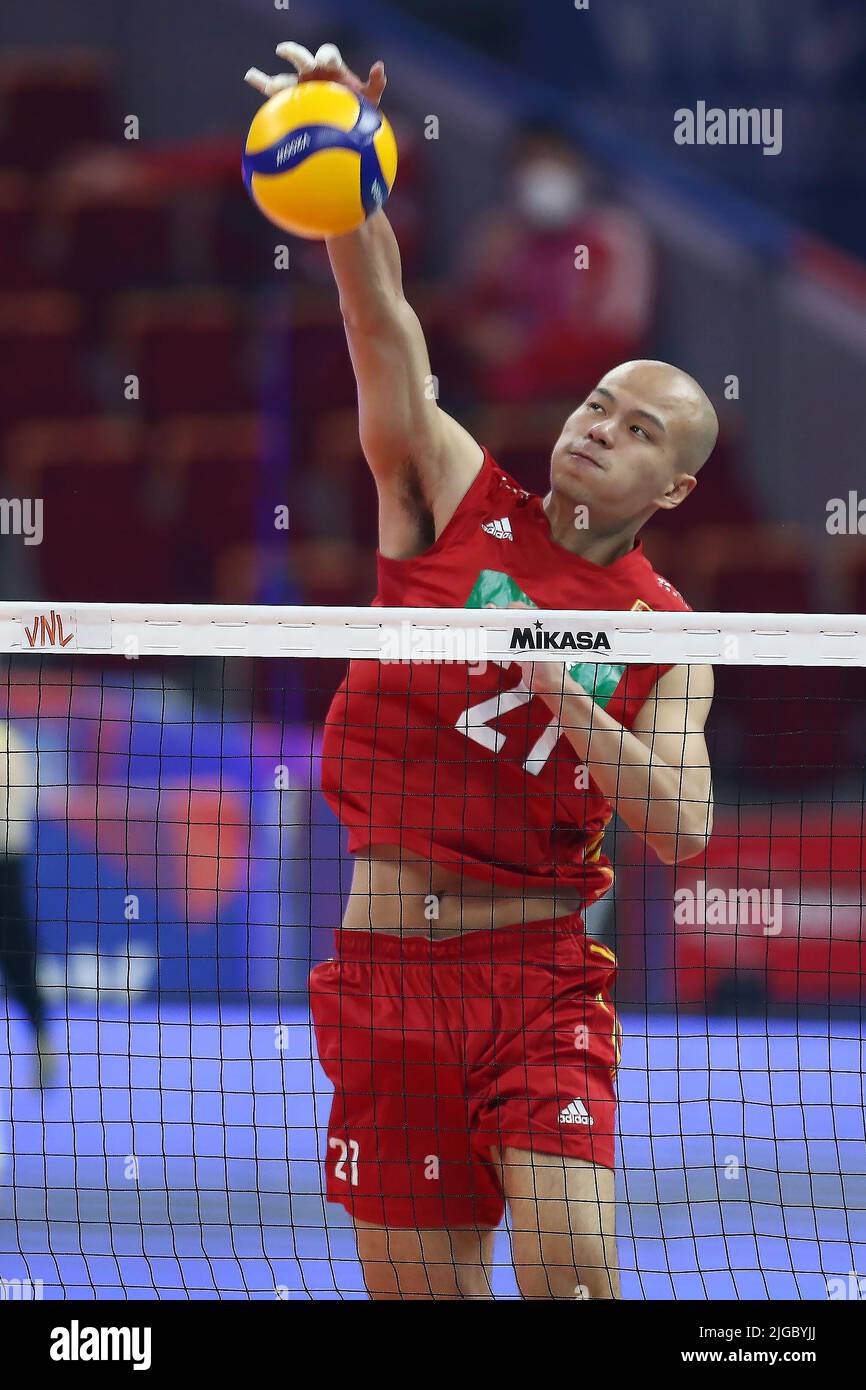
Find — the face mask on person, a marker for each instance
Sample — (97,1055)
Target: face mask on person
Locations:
(550,194)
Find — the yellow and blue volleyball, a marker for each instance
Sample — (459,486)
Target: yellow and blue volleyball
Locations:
(319,160)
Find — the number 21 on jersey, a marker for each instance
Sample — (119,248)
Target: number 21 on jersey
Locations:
(475,722)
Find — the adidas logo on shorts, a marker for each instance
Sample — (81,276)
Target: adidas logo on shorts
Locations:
(575,1113)
(500,529)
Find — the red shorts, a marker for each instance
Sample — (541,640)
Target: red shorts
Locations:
(439,1050)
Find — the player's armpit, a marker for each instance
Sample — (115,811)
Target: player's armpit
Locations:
(455,470)
(671,725)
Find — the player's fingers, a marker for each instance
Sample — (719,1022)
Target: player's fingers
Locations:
(257,79)
(329,56)
(295,53)
(330,63)
(376,82)
(268,85)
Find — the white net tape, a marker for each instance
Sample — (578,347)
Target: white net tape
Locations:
(452,634)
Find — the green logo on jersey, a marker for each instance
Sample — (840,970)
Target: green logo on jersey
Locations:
(599,679)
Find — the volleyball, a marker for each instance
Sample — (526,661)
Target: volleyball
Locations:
(319,160)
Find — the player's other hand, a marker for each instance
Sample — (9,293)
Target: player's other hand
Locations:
(326,65)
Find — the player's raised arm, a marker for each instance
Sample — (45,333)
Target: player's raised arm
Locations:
(423,461)
(411,445)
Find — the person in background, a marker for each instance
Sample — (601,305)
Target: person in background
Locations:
(17,940)
(539,315)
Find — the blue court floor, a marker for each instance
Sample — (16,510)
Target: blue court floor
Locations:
(177,1157)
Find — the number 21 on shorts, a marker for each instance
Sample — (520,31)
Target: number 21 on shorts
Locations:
(346,1150)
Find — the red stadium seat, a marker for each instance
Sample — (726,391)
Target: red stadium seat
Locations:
(240,242)
(331,573)
(238,574)
(333,493)
(205,471)
(439,317)
(50,105)
(186,348)
(755,569)
(40,349)
(787,726)
(18,269)
(97,542)
(107,240)
(320,372)
(848,554)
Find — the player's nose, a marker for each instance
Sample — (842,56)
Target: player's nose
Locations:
(601,433)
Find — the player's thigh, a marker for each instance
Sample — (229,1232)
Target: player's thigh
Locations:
(425,1264)
(563,1224)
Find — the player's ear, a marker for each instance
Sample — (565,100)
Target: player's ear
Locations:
(677,491)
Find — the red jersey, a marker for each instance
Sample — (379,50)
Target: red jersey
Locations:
(463,766)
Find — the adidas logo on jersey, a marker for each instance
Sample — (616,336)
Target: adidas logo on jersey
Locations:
(500,529)
(575,1113)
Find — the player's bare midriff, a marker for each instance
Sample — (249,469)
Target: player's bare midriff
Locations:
(407,895)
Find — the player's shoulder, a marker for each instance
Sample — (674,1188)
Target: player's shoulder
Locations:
(492,493)
(659,594)
(500,485)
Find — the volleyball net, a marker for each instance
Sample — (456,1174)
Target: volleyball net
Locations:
(169,845)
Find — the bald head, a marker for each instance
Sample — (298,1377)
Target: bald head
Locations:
(681,403)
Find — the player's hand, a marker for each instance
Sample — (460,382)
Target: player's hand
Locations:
(326,65)
(547,679)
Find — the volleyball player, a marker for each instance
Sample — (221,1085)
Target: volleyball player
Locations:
(467,1022)
(17,936)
